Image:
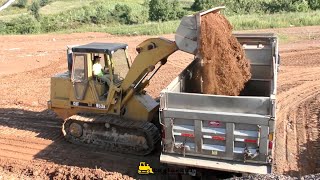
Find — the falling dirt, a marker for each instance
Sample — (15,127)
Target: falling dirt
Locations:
(225,69)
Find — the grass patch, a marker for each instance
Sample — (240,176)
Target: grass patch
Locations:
(2,2)
(12,10)
(244,22)
(9,17)
(150,28)
(239,22)
(61,6)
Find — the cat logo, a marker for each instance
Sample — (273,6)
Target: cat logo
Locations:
(144,168)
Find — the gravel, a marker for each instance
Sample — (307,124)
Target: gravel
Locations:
(278,177)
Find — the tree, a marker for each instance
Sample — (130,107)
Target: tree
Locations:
(177,11)
(22,3)
(122,13)
(43,2)
(159,10)
(314,4)
(34,8)
(199,5)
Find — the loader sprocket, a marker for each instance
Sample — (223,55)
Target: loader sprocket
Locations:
(111,133)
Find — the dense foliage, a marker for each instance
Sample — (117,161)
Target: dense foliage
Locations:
(22,3)
(24,24)
(258,6)
(165,10)
(35,8)
(43,2)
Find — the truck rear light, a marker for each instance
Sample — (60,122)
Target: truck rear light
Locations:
(219,138)
(250,140)
(187,135)
(270,144)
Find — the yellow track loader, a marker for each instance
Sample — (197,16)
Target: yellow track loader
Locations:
(103,102)
(113,111)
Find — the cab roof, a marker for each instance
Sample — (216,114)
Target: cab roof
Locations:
(95,47)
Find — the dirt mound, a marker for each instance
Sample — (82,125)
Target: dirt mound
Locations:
(36,170)
(225,69)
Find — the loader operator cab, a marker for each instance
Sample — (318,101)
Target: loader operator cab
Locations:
(86,61)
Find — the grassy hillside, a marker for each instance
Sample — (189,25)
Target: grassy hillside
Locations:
(239,22)
(2,2)
(101,15)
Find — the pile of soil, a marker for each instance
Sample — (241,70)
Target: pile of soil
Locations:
(224,69)
(49,171)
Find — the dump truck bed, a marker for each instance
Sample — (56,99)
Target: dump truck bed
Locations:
(230,133)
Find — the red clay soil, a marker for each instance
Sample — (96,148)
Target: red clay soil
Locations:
(35,170)
(225,69)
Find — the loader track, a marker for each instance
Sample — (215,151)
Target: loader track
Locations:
(111,133)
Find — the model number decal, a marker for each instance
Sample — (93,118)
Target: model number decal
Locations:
(101,106)
(80,104)
(75,103)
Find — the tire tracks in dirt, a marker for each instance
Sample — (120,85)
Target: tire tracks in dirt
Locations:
(298,86)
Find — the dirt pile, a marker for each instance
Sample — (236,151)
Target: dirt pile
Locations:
(36,170)
(225,69)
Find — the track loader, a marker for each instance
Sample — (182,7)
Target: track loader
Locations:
(114,112)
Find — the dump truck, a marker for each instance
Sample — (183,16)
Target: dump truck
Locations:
(111,110)
(229,133)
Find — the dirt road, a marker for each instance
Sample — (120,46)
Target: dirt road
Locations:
(31,144)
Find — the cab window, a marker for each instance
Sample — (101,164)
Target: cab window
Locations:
(120,63)
(79,74)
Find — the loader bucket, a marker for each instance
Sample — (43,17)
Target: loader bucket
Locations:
(188,33)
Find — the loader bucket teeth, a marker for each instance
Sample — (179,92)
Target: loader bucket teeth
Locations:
(188,33)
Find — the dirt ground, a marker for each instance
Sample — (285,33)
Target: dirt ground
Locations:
(31,144)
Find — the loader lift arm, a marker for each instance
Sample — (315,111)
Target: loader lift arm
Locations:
(151,52)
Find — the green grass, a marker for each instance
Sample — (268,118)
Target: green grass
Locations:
(244,22)
(8,17)
(61,6)
(2,2)
(239,22)
(64,5)
(150,28)
(12,10)
(58,6)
